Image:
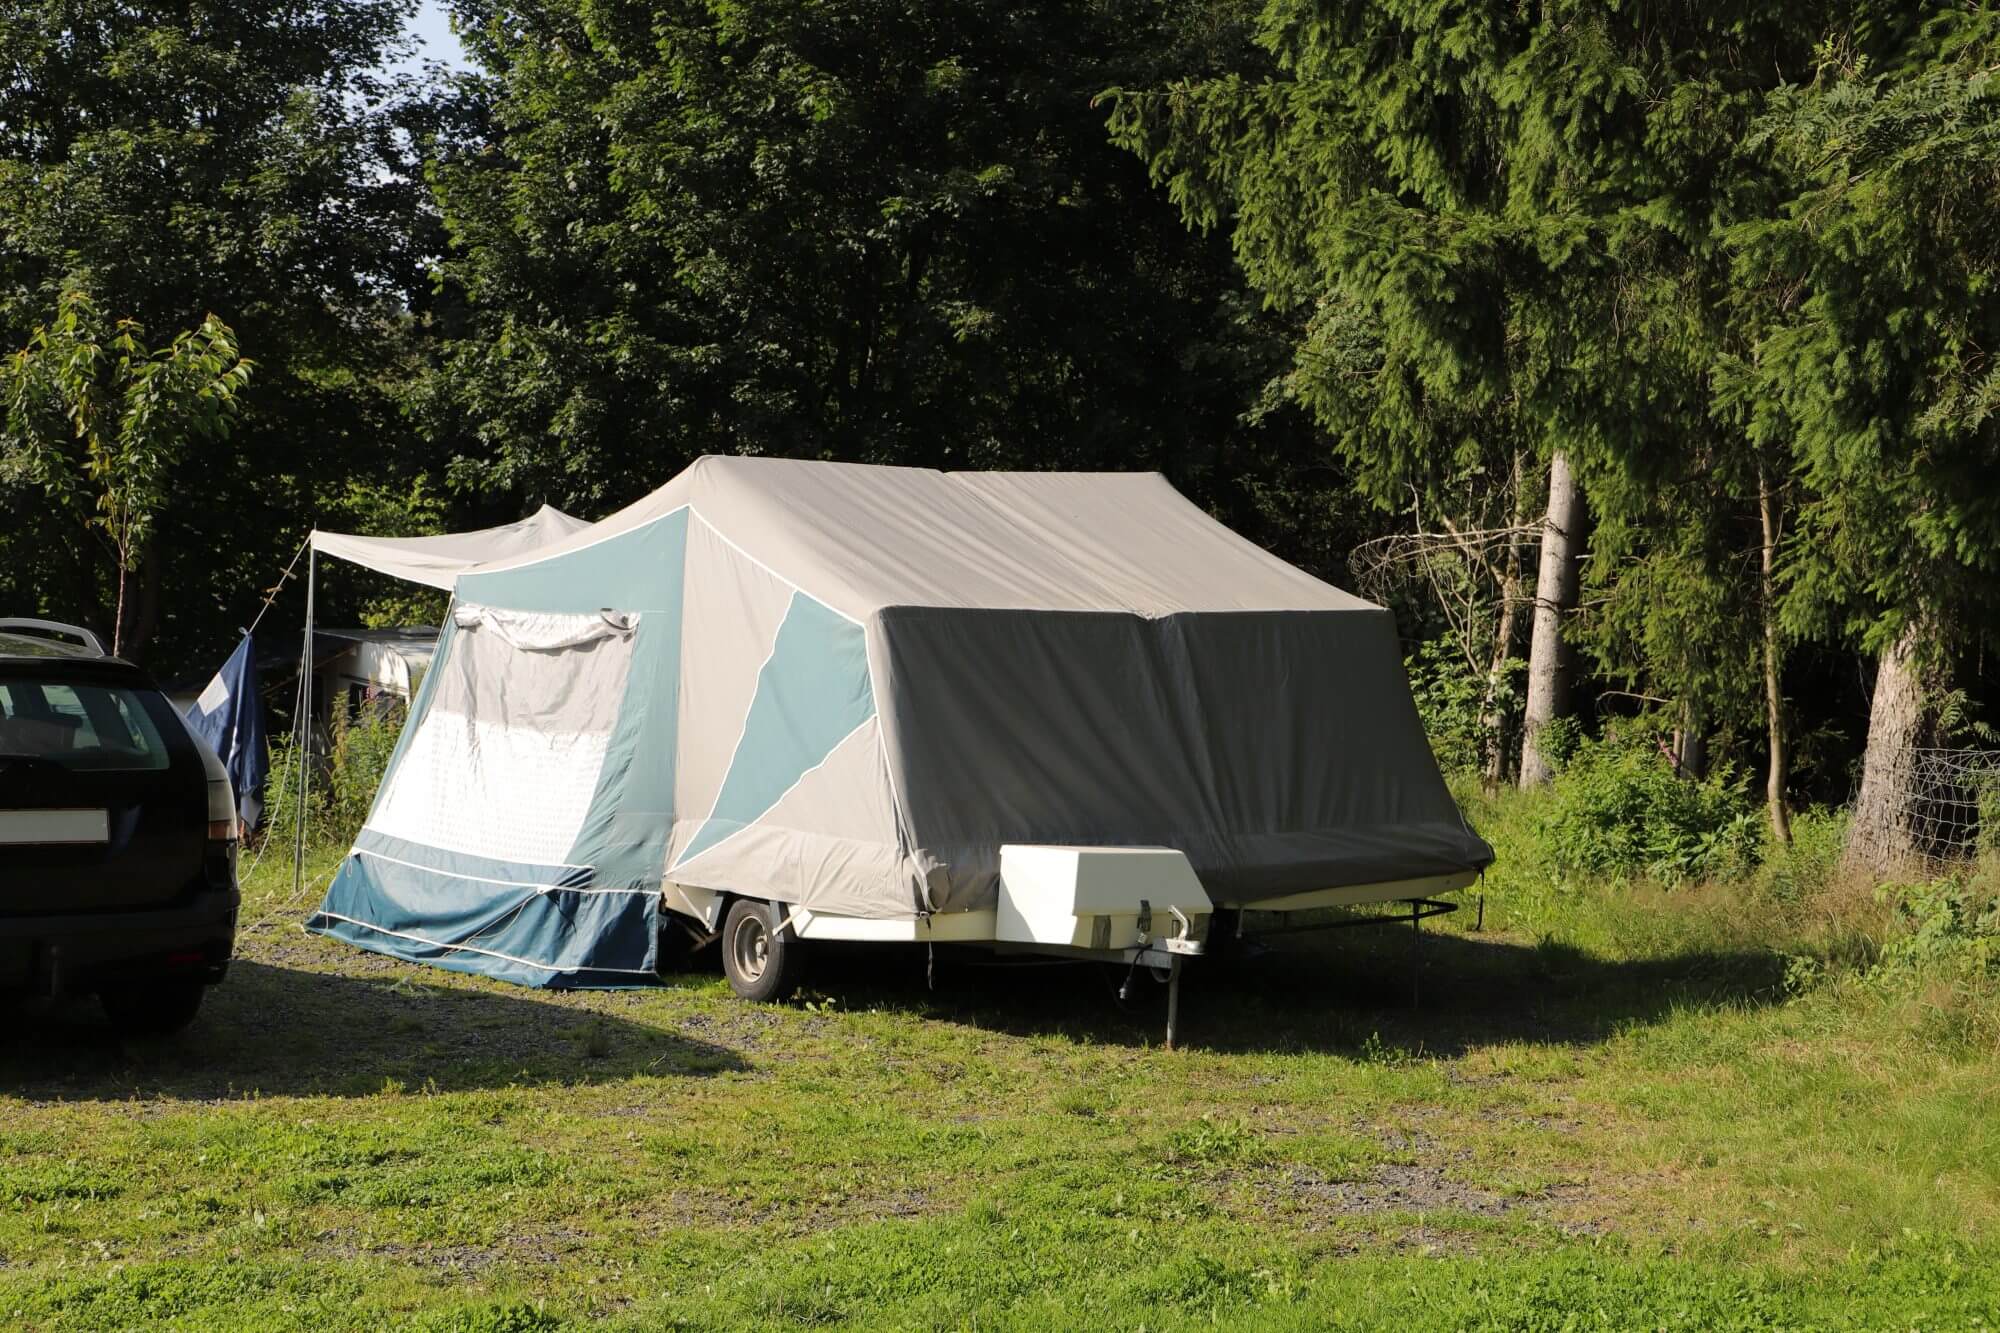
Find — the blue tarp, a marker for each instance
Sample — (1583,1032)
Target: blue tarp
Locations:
(229,715)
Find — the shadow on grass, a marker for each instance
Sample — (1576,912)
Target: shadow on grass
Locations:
(1338,991)
(275,1030)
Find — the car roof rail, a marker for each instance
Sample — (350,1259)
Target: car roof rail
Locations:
(90,641)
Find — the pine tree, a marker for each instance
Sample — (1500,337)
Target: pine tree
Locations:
(1506,223)
(1877,372)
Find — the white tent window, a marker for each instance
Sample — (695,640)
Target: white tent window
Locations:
(506,758)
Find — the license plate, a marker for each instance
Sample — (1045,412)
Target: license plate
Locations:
(19,827)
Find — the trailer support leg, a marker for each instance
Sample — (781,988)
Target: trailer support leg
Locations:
(1173,1001)
(1416,953)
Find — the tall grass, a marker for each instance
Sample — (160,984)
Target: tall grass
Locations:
(345,778)
(1621,855)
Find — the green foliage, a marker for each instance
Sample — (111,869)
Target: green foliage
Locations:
(359,760)
(1874,369)
(1941,960)
(868,230)
(1559,739)
(1209,1141)
(101,422)
(244,160)
(1809,867)
(281,795)
(390,507)
(344,783)
(509,1317)
(1734,261)
(1951,923)
(1450,697)
(1618,808)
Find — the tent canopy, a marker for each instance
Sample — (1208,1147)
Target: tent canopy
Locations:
(848,687)
(438,561)
(859,538)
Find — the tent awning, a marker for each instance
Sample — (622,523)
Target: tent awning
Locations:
(438,561)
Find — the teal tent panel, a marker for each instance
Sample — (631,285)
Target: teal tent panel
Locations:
(639,570)
(811,693)
(624,838)
(501,925)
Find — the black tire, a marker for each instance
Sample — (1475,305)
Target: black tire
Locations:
(154,1008)
(761,963)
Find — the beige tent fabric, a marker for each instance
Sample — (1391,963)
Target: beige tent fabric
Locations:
(859,538)
(829,843)
(978,659)
(438,561)
(738,605)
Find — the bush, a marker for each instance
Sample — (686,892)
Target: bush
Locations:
(1618,808)
(1941,961)
(1950,924)
(361,750)
(1451,701)
(345,779)
(1809,868)
(281,795)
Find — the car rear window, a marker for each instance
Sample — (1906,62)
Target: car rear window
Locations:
(81,726)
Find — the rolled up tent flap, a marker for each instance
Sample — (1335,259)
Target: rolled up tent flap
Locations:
(438,561)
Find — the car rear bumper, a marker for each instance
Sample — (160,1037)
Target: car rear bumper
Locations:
(85,951)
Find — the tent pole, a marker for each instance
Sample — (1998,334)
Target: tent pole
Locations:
(305,726)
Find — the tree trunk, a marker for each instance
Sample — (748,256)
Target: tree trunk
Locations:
(144,617)
(1774,699)
(1881,839)
(118,612)
(1492,717)
(1555,594)
(1691,745)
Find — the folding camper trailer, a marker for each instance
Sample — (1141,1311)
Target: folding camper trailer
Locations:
(784,702)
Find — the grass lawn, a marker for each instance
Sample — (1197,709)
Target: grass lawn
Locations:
(1621,1118)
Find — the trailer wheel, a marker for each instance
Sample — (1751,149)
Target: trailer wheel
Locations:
(761,962)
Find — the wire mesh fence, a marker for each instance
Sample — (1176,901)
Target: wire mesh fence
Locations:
(1950,809)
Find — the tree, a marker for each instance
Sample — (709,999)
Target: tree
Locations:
(872,230)
(1508,223)
(180,159)
(100,421)
(1878,370)
(1555,593)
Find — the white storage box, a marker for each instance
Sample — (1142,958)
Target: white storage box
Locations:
(1093,897)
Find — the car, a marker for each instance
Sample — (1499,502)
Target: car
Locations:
(118,835)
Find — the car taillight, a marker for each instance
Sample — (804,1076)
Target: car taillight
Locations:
(221,811)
